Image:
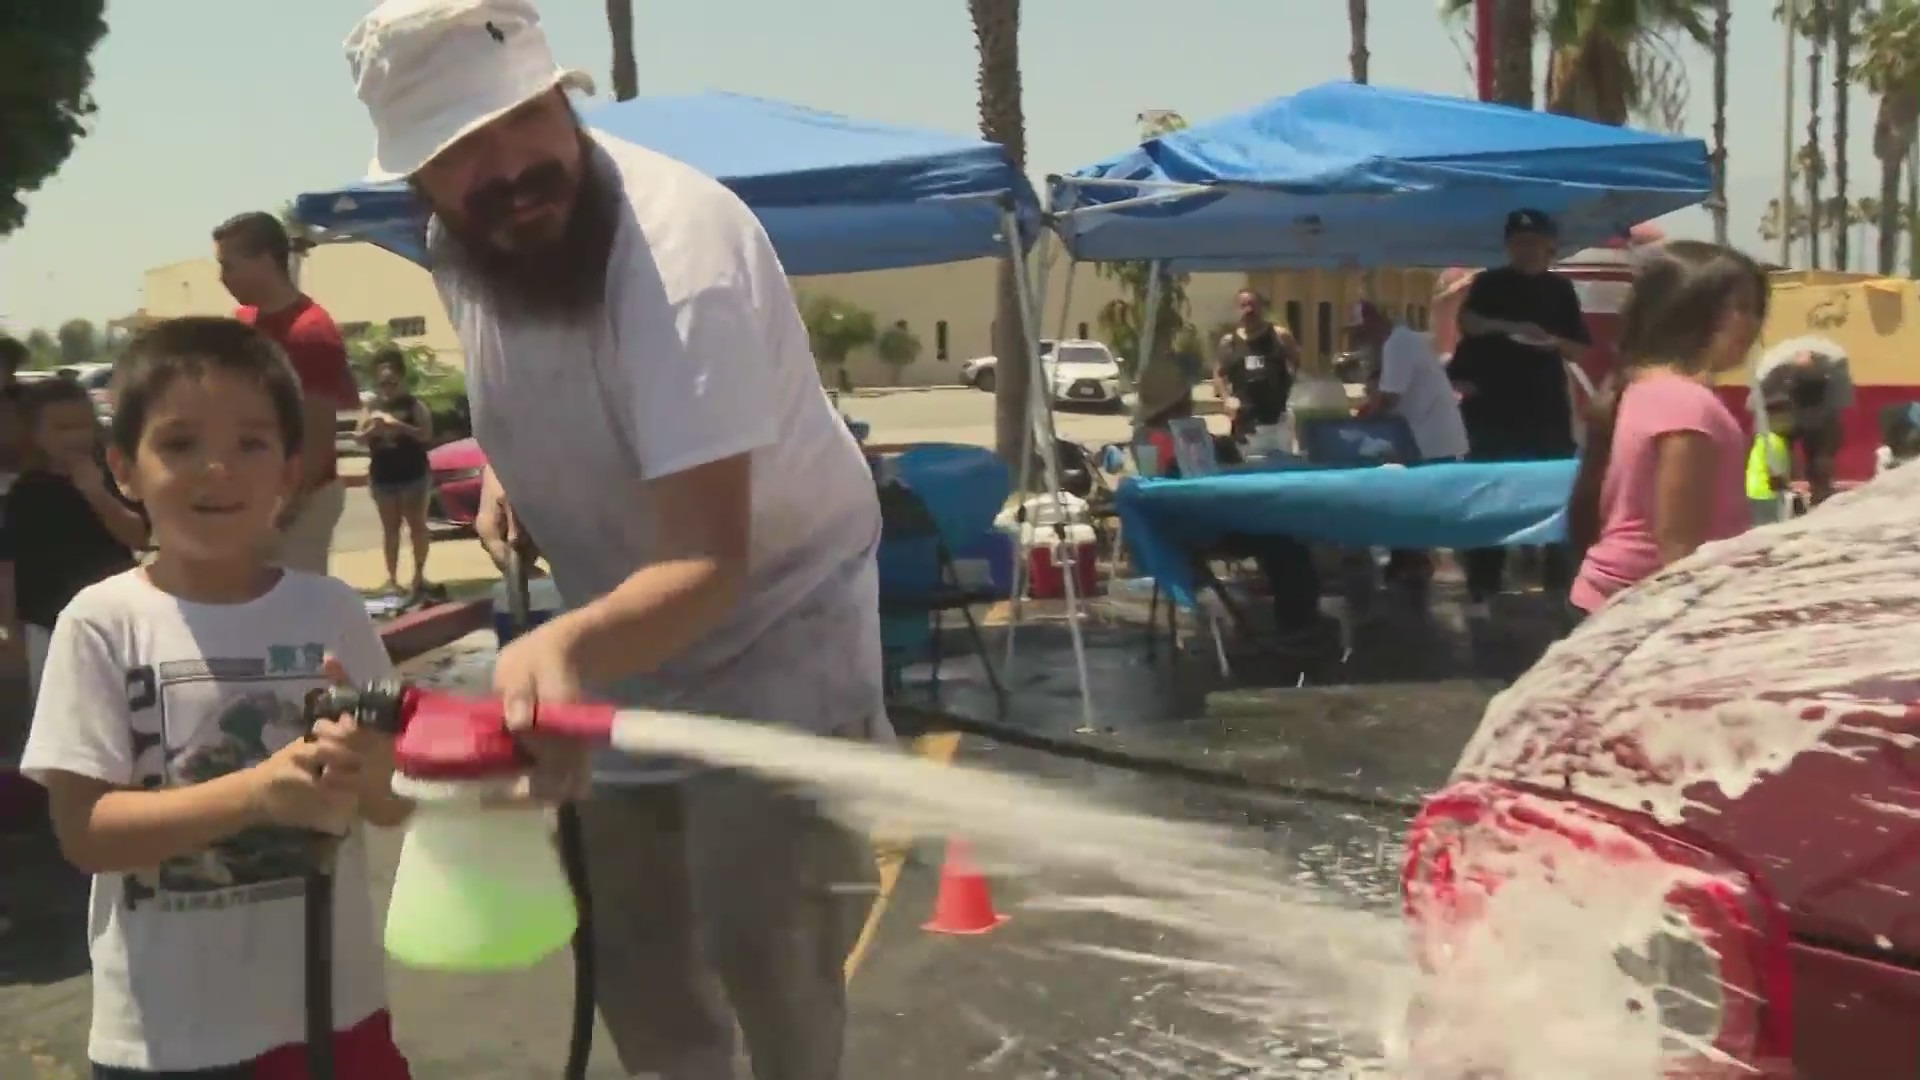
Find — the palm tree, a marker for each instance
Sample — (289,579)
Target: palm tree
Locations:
(1611,60)
(1815,169)
(1890,66)
(626,72)
(1513,34)
(1722,15)
(1842,18)
(996,32)
(1357,33)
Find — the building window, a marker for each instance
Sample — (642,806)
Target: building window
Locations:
(408,326)
(1293,319)
(1423,316)
(354,329)
(1323,329)
(1413,317)
(940,340)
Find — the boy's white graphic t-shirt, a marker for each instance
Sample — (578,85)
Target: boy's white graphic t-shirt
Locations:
(197,963)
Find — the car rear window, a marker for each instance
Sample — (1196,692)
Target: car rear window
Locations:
(1081,354)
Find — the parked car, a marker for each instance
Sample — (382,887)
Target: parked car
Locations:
(1689,837)
(1077,372)
(94,376)
(456,468)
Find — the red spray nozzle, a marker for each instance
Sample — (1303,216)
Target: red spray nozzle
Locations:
(441,736)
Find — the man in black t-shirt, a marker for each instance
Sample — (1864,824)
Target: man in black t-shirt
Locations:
(1520,325)
(1254,366)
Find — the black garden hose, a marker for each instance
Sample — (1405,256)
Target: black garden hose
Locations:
(573,860)
(319,911)
(1159,765)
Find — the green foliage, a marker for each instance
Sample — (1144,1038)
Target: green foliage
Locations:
(79,342)
(45,75)
(898,346)
(1121,320)
(438,385)
(835,328)
(45,350)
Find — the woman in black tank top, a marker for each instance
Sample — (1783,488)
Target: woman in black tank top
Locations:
(397,429)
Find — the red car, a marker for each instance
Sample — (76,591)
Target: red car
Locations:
(456,482)
(1687,842)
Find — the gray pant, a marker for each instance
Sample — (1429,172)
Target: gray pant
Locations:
(716,899)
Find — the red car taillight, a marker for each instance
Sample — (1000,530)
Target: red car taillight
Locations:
(1498,879)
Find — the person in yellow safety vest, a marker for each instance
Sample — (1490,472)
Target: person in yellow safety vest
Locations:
(1770,464)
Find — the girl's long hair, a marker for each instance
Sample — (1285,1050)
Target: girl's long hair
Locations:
(1678,299)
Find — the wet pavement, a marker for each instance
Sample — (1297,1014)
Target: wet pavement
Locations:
(1028,1000)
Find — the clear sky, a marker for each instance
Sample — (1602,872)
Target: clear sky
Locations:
(210,107)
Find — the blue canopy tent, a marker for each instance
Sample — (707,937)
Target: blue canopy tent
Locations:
(1342,175)
(836,195)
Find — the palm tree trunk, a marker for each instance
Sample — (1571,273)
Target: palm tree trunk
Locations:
(1842,86)
(1815,54)
(1900,219)
(1514,33)
(996,32)
(1357,33)
(1889,253)
(626,73)
(1722,15)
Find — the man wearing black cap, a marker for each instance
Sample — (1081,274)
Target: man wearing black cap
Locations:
(1519,326)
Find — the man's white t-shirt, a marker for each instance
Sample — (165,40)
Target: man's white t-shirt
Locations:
(197,963)
(698,354)
(1410,369)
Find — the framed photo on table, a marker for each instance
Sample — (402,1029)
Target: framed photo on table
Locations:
(1193,447)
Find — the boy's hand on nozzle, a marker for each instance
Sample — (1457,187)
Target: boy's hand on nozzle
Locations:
(310,783)
(374,748)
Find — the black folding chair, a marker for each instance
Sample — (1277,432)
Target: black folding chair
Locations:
(904,517)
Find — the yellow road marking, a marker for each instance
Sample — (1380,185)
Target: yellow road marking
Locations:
(890,851)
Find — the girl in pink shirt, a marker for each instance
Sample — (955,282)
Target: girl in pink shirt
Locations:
(1664,467)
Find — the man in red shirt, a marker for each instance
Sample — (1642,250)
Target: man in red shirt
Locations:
(255,265)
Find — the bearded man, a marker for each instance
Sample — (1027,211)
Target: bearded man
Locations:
(644,392)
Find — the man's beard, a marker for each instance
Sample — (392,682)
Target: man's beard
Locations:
(552,281)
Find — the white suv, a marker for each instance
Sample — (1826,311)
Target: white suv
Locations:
(1078,371)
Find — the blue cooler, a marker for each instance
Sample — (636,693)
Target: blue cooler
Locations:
(543,603)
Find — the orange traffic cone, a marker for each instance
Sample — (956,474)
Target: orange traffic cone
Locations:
(965,902)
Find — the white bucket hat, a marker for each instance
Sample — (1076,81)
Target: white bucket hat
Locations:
(432,71)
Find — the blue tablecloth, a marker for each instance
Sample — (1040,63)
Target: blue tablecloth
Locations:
(1443,505)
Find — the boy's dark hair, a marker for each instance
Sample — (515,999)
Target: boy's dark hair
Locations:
(189,348)
(258,233)
(14,353)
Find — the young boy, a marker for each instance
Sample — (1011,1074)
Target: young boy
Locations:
(1770,462)
(71,526)
(169,735)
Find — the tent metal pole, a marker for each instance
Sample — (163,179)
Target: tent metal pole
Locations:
(1149,324)
(1050,463)
(1029,432)
(1040,426)
(1114,181)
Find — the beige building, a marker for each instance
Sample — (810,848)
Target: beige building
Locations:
(359,284)
(1314,303)
(950,308)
